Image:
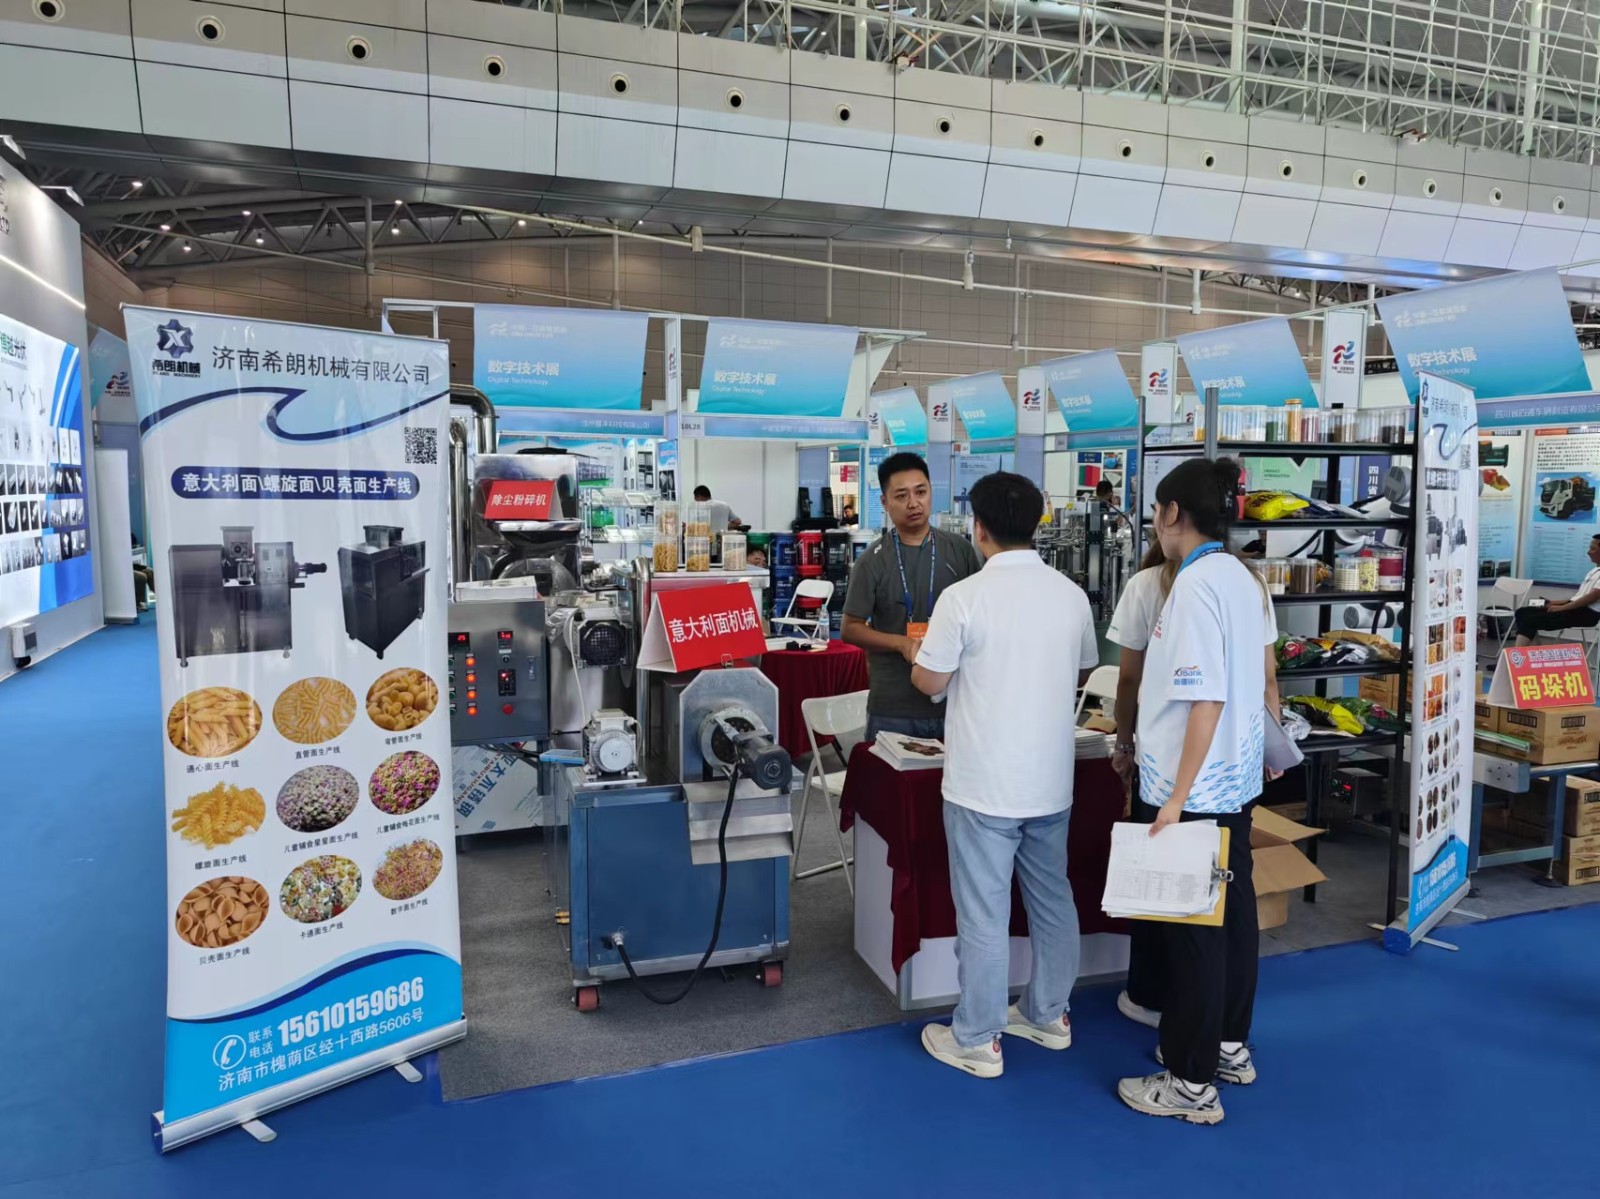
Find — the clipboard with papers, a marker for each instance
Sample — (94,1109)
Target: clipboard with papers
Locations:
(1176,877)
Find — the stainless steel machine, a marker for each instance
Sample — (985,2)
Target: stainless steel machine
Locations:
(1093,546)
(235,598)
(499,674)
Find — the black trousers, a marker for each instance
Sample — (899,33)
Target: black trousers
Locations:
(1533,621)
(1202,979)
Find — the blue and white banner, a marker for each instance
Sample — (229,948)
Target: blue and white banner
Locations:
(904,420)
(569,422)
(1092,391)
(558,357)
(1158,382)
(767,368)
(1507,336)
(1032,401)
(298,507)
(1257,362)
(1344,357)
(44,490)
(983,401)
(772,428)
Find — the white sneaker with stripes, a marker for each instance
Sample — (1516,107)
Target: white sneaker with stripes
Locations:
(1164,1095)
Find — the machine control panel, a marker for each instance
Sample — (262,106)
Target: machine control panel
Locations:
(498,676)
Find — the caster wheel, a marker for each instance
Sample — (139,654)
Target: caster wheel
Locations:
(586,999)
(771,974)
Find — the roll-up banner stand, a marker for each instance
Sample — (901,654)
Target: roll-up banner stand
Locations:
(297,501)
(1344,356)
(1032,395)
(1443,657)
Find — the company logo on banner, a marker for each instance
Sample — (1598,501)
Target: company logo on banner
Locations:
(766,368)
(1092,391)
(1158,370)
(984,403)
(903,418)
(1032,401)
(1344,333)
(44,491)
(1257,362)
(941,421)
(312,932)
(558,357)
(1507,336)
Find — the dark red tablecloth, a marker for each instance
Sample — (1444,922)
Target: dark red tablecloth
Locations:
(802,674)
(905,808)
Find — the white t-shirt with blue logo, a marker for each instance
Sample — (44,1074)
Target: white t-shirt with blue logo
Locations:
(1206,645)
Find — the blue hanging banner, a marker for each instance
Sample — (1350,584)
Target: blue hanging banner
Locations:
(903,418)
(558,357)
(1257,362)
(1092,391)
(984,403)
(1507,336)
(766,368)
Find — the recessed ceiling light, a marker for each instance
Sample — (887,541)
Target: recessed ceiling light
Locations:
(136,184)
(247,212)
(521,223)
(397,203)
(260,241)
(187,247)
(166,228)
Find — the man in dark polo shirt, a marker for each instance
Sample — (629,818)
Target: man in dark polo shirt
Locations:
(893,588)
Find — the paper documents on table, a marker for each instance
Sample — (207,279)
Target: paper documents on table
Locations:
(1175,875)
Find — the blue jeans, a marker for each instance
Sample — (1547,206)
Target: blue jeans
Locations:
(984,851)
(910,726)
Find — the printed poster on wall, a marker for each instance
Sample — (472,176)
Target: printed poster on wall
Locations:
(1561,504)
(1443,650)
(558,357)
(1500,485)
(298,513)
(44,497)
(768,368)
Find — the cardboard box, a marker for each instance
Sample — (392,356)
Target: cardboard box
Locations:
(1530,812)
(1575,870)
(1278,865)
(1550,736)
(1381,689)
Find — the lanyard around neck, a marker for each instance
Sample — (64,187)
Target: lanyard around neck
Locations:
(1202,551)
(933,565)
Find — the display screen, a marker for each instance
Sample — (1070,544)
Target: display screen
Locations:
(505,638)
(460,641)
(44,498)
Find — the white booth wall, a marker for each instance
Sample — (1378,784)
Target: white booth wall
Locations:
(38,241)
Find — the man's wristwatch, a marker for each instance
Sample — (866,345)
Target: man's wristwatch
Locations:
(1123,747)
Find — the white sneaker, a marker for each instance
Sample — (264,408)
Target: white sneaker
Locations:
(1139,1015)
(1163,1095)
(983,1060)
(1055,1035)
(1236,1067)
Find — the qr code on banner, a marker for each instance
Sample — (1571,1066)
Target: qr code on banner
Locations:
(422,445)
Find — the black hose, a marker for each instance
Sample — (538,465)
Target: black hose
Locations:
(716,924)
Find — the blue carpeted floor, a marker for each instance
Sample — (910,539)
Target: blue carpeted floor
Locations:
(1441,1074)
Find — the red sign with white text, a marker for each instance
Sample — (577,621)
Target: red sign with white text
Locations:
(703,626)
(1542,676)
(519,499)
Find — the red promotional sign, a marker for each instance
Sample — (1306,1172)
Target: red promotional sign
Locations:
(1542,676)
(703,626)
(519,499)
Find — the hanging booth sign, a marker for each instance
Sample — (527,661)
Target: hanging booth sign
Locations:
(1032,392)
(771,428)
(1564,507)
(1158,381)
(1257,362)
(1344,356)
(298,502)
(1540,410)
(694,627)
(558,357)
(580,422)
(984,403)
(904,421)
(1092,391)
(1444,647)
(767,368)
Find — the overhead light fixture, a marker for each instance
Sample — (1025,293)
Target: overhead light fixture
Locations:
(967,281)
(247,212)
(61,187)
(395,229)
(397,203)
(10,143)
(166,228)
(136,184)
(187,247)
(260,241)
(521,224)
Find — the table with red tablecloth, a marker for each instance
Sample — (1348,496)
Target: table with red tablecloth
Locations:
(905,808)
(802,674)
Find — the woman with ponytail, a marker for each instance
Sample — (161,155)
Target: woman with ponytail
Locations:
(1198,752)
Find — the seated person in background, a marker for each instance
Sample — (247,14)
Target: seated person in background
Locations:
(1582,611)
(722,516)
(848,516)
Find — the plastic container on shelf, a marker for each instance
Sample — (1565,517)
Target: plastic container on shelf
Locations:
(1303,575)
(1391,568)
(784,580)
(1275,573)
(733,551)
(1368,567)
(1230,422)
(1311,420)
(1339,425)
(1294,414)
(1393,425)
(785,551)
(1255,422)
(810,549)
(1275,425)
(837,553)
(1367,426)
(697,554)
(1347,573)
(697,521)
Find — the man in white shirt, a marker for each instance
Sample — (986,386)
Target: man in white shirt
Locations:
(1582,611)
(1008,646)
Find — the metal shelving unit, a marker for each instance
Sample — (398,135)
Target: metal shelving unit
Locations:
(1320,749)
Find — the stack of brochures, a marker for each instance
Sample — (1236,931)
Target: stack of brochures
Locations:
(909,753)
(1174,875)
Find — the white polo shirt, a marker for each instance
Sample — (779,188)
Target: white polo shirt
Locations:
(1591,582)
(1140,605)
(1206,645)
(1014,636)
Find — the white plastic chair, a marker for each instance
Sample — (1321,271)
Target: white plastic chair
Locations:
(1591,640)
(1515,592)
(816,593)
(1102,684)
(844,718)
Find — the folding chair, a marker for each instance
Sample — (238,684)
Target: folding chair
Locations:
(1102,684)
(1515,592)
(844,718)
(812,595)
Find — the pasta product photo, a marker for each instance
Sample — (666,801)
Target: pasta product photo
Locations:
(213,722)
(408,869)
(401,699)
(221,911)
(314,710)
(223,814)
(317,798)
(320,889)
(403,782)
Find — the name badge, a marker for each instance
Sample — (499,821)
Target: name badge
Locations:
(917,629)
